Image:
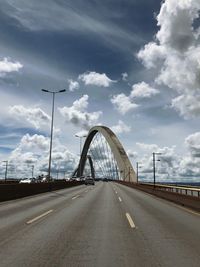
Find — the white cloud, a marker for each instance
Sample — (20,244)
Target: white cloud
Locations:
(132,154)
(167,168)
(82,133)
(82,103)
(34,150)
(151,55)
(120,128)
(94,78)
(193,144)
(34,141)
(175,21)
(172,167)
(35,116)
(143,90)
(7,66)
(73,85)
(187,105)
(175,54)
(124,76)
(123,103)
(77,114)
(148,147)
(189,168)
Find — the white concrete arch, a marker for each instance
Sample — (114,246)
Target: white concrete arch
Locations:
(127,172)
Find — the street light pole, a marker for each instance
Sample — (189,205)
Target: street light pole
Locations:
(51,137)
(52,119)
(137,170)
(32,167)
(154,168)
(6,170)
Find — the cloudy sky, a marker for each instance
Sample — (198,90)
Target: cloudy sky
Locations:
(131,65)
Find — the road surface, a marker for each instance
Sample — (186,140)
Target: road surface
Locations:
(103,225)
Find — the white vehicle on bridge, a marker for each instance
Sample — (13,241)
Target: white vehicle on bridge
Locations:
(27,181)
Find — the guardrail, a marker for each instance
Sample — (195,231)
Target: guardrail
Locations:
(14,191)
(183,190)
(184,196)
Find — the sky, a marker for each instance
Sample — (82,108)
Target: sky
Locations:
(131,65)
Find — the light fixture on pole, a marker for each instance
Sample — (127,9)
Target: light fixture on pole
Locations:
(52,118)
(154,167)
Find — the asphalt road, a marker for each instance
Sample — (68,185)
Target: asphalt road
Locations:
(103,225)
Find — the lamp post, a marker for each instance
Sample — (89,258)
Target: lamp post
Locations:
(83,136)
(154,168)
(52,118)
(32,169)
(137,170)
(6,170)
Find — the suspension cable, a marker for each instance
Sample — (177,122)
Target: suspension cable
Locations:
(99,153)
(93,151)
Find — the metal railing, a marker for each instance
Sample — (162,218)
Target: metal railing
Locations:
(184,190)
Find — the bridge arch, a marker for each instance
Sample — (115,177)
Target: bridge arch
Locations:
(126,170)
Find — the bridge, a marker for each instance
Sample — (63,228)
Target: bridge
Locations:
(115,223)
(103,148)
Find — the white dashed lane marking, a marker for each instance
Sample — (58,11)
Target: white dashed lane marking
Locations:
(39,217)
(130,220)
(76,197)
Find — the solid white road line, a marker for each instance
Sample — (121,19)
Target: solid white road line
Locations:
(120,199)
(132,225)
(39,217)
(76,197)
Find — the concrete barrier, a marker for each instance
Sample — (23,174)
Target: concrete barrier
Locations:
(14,191)
(183,200)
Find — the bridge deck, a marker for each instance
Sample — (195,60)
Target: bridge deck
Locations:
(105,225)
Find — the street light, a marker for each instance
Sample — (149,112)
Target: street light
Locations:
(154,168)
(6,170)
(137,170)
(52,117)
(32,168)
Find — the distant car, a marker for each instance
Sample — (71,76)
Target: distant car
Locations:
(74,178)
(89,181)
(82,178)
(105,180)
(78,179)
(27,181)
(44,180)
